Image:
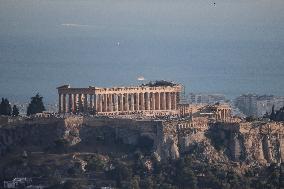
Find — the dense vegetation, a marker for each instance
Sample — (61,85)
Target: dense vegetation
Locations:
(278,115)
(185,173)
(6,109)
(36,105)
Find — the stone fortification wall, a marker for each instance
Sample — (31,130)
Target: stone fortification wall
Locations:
(41,133)
(126,130)
(248,142)
(36,134)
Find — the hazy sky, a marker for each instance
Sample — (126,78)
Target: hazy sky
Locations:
(231,47)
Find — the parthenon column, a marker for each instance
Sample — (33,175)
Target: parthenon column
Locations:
(114,102)
(91,101)
(164,101)
(70,104)
(137,101)
(85,102)
(126,101)
(132,101)
(148,101)
(64,103)
(97,102)
(153,101)
(105,102)
(59,103)
(100,102)
(94,102)
(80,103)
(110,104)
(169,104)
(121,107)
(174,101)
(157,100)
(142,101)
(145,101)
(75,102)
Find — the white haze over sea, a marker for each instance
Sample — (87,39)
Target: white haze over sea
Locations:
(230,47)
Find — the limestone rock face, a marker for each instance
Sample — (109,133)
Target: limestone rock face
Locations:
(248,143)
(235,147)
(263,141)
(72,128)
(251,143)
(174,151)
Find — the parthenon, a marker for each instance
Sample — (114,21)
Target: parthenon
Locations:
(147,100)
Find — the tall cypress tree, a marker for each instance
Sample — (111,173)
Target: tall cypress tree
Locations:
(36,105)
(2,107)
(15,111)
(5,107)
(272,115)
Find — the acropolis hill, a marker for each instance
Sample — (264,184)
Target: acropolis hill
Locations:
(118,121)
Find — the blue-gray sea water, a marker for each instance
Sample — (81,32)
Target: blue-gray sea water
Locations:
(229,47)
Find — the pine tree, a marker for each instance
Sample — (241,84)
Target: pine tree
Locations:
(2,107)
(36,105)
(15,111)
(5,107)
(279,115)
(272,115)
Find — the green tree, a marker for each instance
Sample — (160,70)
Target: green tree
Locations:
(36,105)
(147,183)
(95,163)
(122,172)
(145,143)
(279,115)
(61,145)
(15,111)
(185,176)
(134,184)
(272,115)
(251,119)
(5,107)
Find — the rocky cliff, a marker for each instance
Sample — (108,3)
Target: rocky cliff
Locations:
(251,143)
(248,143)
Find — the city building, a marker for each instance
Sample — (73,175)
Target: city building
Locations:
(152,99)
(201,98)
(258,106)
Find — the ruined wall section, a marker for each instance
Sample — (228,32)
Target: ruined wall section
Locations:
(41,133)
(127,130)
(33,135)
